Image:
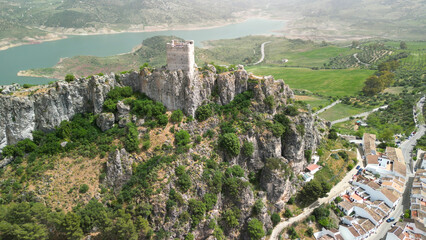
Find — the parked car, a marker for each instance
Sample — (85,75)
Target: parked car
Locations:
(357,167)
(391,219)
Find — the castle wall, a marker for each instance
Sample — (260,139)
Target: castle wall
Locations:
(180,56)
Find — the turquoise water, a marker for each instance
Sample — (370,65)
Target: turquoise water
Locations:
(49,53)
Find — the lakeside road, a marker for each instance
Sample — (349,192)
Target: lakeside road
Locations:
(262,51)
(334,192)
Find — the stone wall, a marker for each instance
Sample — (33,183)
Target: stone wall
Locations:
(180,56)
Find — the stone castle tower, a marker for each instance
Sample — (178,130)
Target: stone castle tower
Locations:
(180,55)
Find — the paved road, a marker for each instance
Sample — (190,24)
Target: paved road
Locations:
(334,192)
(364,114)
(262,51)
(406,147)
(329,106)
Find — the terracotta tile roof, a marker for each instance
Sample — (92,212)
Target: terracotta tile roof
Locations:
(367,225)
(389,195)
(312,167)
(399,167)
(395,154)
(353,231)
(369,143)
(372,159)
(373,185)
(356,197)
(345,205)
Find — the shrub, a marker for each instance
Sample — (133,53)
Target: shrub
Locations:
(269,101)
(210,200)
(291,110)
(197,210)
(203,112)
(257,207)
(248,148)
(288,213)
(189,236)
(182,138)
(275,218)
(132,138)
(184,180)
(83,188)
(177,116)
(308,155)
(163,120)
(230,143)
(255,229)
(69,78)
(230,217)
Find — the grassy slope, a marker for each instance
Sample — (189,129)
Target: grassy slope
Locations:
(326,82)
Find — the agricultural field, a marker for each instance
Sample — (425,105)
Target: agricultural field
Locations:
(341,111)
(416,61)
(338,83)
(315,102)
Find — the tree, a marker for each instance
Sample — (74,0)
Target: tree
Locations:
(373,85)
(197,210)
(203,112)
(312,191)
(182,138)
(230,143)
(177,116)
(71,226)
(83,188)
(132,138)
(257,207)
(275,218)
(255,229)
(288,213)
(402,45)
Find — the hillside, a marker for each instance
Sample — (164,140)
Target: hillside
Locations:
(150,172)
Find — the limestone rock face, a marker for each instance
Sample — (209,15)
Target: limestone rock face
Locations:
(119,169)
(105,121)
(21,114)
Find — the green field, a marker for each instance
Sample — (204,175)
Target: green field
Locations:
(315,102)
(345,82)
(341,111)
(411,45)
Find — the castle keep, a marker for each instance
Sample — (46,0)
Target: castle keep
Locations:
(180,55)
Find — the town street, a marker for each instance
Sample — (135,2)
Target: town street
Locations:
(407,148)
(334,192)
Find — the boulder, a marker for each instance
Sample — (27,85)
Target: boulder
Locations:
(105,121)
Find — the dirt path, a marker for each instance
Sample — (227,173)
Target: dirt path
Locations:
(262,51)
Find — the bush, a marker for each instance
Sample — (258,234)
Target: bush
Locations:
(163,120)
(182,138)
(132,138)
(83,188)
(275,218)
(288,213)
(248,148)
(197,210)
(291,110)
(184,180)
(69,78)
(255,229)
(203,112)
(210,200)
(230,217)
(177,116)
(257,207)
(269,101)
(230,143)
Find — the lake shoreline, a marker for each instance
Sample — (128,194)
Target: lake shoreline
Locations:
(55,35)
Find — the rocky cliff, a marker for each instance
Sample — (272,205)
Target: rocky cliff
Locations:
(44,108)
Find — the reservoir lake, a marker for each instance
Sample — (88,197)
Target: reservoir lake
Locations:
(47,54)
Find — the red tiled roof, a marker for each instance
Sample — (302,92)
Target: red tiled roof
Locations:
(312,167)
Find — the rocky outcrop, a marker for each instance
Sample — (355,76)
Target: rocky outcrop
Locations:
(105,121)
(118,169)
(45,108)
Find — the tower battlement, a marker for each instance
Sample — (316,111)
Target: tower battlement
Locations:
(180,55)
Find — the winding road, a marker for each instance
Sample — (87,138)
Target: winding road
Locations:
(262,51)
